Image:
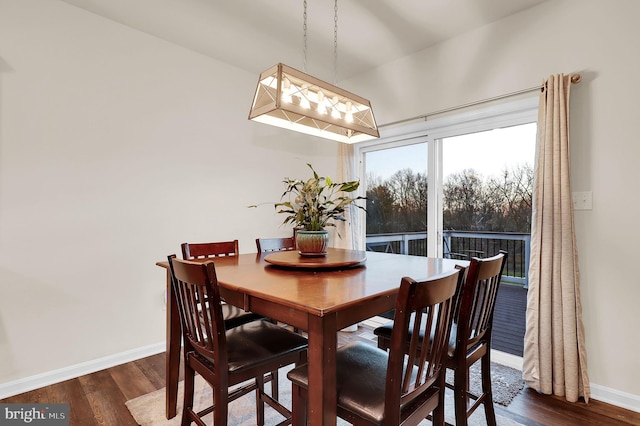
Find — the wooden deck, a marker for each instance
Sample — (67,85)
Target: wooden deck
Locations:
(508,319)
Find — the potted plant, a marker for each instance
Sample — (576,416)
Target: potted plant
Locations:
(312,205)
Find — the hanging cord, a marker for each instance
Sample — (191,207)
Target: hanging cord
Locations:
(335,43)
(304,38)
(335,39)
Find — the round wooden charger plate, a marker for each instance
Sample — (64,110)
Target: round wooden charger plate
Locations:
(335,258)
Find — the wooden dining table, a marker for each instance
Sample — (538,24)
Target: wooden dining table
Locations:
(318,295)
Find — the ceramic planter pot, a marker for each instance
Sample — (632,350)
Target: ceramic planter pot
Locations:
(312,243)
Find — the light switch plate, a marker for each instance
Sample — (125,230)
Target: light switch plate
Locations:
(582,200)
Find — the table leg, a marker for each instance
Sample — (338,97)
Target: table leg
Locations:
(323,341)
(173,350)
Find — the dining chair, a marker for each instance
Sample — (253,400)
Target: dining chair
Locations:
(233,316)
(470,335)
(377,387)
(226,357)
(275,244)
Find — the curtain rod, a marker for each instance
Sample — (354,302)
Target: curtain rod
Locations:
(575,78)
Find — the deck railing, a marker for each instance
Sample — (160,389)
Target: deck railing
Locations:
(464,245)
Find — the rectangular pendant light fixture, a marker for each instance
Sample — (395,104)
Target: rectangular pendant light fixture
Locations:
(291,99)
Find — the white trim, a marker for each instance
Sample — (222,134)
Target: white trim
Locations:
(71,372)
(506,359)
(434,197)
(508,114)
(616,397)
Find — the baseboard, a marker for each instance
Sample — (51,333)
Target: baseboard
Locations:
(504,358)
(71,372)
(616,397)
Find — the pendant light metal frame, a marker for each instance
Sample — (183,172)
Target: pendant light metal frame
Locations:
(288,98)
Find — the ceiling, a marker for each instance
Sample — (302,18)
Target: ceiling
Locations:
(255,34)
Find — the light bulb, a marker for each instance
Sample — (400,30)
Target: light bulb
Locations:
(322,109)
(349,115)
(334,108)
(286,91)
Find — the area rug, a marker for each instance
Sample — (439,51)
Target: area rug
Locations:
(149,409)
(506,382)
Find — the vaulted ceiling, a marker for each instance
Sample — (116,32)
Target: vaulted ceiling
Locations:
(255,34)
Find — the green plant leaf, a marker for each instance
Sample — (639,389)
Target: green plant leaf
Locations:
(315,203)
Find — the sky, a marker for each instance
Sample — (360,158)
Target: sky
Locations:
(486,152)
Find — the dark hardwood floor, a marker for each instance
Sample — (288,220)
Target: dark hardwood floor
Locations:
(99,398)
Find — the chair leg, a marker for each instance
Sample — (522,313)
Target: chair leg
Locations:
(221,404)
(298,406)
(438,413)
(187,402)
(487,391)
(460,386)
(275,389)
(259,400)
(383,343)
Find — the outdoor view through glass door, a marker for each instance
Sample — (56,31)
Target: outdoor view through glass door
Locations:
(396,182)
(480,204)
(486,207)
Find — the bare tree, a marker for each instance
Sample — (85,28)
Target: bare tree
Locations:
(472,203)
(513,192)
(410,196)
(380,209)
(464,206)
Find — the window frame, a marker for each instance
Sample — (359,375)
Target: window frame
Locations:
(433,131)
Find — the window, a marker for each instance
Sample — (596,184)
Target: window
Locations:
(396,192)
(412,164)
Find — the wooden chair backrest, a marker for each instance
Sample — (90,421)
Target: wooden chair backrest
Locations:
(426,306)
(199,307)
(275,244)
(192,251)
(474,313)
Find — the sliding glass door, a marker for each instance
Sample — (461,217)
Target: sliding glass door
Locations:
(459,187)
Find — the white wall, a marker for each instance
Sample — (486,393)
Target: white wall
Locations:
(115,147)
(598,39)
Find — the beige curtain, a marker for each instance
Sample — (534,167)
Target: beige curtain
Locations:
(554,359)
(350,229)
(347,171)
